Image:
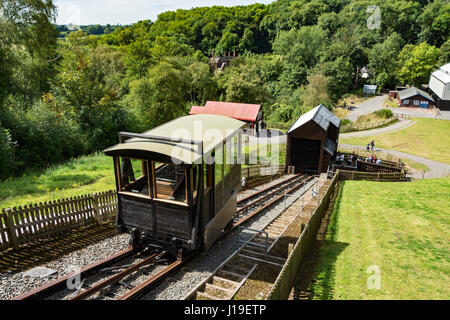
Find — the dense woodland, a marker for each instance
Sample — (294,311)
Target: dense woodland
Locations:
(61,97)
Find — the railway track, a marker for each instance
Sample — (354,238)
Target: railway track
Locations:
(226,280)
(150,261)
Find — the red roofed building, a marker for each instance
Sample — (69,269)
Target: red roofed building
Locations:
(250,113)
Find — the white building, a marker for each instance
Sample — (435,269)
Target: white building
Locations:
(440,85)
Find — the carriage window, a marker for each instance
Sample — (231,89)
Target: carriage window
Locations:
(227,158)
(170,181)
(235,149)
(133,176)
(218,174)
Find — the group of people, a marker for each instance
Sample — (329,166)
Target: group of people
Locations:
(351,159)
(341,158)
(373,159)
(370,146)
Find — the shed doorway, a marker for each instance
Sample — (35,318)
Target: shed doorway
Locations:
(305,154)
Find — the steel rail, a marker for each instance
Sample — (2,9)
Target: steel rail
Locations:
(267,189)
(114,279)
(153,281)
(251,215)
(269,194)
(59,284)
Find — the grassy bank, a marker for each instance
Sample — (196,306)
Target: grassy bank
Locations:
(427,138)
(87,174)
(402,228)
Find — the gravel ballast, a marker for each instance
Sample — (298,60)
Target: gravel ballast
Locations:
(12,285)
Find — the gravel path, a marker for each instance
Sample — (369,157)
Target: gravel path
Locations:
(437,169)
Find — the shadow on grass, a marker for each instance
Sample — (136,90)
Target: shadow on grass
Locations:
(46,250)
(320,262)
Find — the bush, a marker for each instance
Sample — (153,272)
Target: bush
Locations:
(346,122)
(7,154)
(43,137)
(384,113)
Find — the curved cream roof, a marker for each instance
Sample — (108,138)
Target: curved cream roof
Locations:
(208,128)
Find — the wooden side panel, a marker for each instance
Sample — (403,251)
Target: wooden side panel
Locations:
(173,220)
(136,212)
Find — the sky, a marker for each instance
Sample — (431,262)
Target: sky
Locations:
(85,12)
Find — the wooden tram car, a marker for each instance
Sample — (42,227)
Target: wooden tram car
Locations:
(178,193)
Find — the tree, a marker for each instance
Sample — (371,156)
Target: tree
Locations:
(316,91)
(435,22)
(340,74)
(228,43)
(305,44)
(445,53)
(242,84)
(29,24)
(161,95)
(382,59)
(416,62)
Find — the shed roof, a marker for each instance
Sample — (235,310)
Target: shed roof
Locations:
(210,129)
(413,91)
(240,111)
(320,115)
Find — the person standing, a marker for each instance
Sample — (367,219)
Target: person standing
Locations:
(372,144)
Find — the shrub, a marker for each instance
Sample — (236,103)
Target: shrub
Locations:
(7,154)
(384,113)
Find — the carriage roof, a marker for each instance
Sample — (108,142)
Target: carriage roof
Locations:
(162,143)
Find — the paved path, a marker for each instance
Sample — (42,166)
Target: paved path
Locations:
(437,169)
(400,125)
(421,113)
(377,103)
(368,106)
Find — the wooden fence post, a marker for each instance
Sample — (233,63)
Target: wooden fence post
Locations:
(95,208)
(11,230)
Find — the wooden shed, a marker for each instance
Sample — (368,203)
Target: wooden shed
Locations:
(312,140)
(415,98)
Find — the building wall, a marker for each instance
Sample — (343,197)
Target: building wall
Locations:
(409,103)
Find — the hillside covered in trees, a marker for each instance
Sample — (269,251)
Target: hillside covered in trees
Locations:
(61,97)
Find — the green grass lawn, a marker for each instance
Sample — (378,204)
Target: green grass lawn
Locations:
(403,228)
(427,138)
(87,174)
